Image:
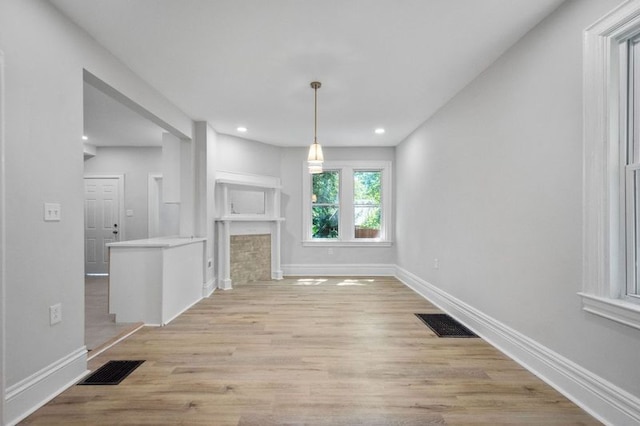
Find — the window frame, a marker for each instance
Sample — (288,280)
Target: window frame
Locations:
(630,160)
(346,227)
(606,127)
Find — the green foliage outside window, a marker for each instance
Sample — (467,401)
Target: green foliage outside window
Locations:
(325,205)
(366,199)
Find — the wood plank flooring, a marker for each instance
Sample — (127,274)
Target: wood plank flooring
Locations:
(311,352)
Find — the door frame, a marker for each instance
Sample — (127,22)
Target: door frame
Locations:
(121,209)
(153,210)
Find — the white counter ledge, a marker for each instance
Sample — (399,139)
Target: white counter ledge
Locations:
(154,280)
(158,242)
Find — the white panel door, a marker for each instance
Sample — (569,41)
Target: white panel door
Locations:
(101,212)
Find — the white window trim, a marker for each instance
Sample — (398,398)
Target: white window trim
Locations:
(346,239)
(604,284)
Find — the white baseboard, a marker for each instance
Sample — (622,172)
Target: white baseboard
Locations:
(225,284)
(362,270)
(209,287)
(600,398)
(177,315)
(95,353)
(28,395)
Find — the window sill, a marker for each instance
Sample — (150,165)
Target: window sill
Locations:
(350,243)
(614,309)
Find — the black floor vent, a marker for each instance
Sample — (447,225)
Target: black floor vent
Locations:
(112,373)
(445,326)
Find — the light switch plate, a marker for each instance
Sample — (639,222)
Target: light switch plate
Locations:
(52,212)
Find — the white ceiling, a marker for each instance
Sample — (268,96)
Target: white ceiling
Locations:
(382,63)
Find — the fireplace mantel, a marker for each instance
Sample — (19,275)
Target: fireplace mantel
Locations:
(249,191)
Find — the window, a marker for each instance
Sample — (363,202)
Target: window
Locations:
(630,162)
(348,204)
(611,257)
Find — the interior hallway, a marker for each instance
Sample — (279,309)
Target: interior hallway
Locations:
(100,326)
(311,351)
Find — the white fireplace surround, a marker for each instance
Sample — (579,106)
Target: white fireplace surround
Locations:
(252,214)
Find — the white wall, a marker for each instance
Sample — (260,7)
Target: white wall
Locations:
(206,142)
(135,163)
(235,154)
(44,59)
(2,237)
(293,253)
(492,187)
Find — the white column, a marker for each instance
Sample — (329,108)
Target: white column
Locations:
(276,271)
(224,255)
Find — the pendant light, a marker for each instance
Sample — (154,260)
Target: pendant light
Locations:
(315,158)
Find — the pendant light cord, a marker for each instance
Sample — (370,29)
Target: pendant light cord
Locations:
(315,85)
(315,115)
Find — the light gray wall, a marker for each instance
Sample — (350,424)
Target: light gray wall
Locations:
(206,156)
(492,187)
(135,163)
(235,154)
(293,253)
(2,237)
(44,56)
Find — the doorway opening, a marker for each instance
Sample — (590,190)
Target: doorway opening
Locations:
(164,218)
(103,212)
(122,147)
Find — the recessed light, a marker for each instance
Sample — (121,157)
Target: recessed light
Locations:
(85,137)
(379,131)
(241,129)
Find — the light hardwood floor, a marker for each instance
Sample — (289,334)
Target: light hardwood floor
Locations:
(311,352)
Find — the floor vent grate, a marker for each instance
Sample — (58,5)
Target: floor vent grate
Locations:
(445,326)
(112,373)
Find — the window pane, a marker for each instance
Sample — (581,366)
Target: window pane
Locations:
(367,221)
(326,188)
(634,89)
(633,175)
(366,188)
(325,221)
(366,204)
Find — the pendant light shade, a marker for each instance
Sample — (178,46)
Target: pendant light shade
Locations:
(315,158)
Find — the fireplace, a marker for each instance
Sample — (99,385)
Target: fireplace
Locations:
(250,258)
(248,228)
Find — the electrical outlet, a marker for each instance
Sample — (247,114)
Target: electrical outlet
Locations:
(330,251)
(52,212)
(55,313)
(436,264)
